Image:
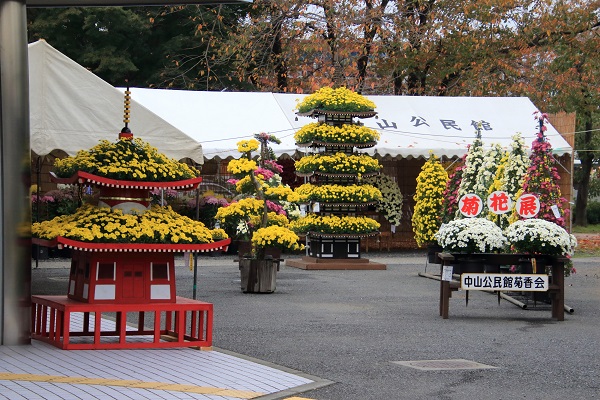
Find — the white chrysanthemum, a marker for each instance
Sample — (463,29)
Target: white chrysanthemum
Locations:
(516,167)
(538,236)
(473,164)
(471,235)
(486,174)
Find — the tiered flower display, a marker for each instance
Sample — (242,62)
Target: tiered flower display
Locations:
(431,184)
(131,160)
(123,250)
(515,174)
(336,175)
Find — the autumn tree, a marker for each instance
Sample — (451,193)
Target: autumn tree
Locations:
(567,79)
(259,50)
(300,46)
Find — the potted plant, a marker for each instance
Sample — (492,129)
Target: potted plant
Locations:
(338,163)
(543,238)
(259,269)
(471,236)
(331,225)
(318,133)
(259,216)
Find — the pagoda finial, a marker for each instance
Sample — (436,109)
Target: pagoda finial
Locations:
(126,132)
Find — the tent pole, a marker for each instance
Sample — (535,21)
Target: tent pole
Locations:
(38,181)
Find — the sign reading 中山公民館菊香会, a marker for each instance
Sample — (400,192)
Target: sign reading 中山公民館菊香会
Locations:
(520,282)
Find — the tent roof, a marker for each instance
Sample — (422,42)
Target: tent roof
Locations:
(72,109)
(410,126)
(219,120)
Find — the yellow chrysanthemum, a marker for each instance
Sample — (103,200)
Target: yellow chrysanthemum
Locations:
(339,99)
(126,159)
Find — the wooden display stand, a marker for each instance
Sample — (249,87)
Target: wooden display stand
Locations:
(122,278)
(334,264)
(556,289)
(52,315)
(334,253)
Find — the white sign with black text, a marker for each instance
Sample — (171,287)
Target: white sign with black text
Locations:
(520,282)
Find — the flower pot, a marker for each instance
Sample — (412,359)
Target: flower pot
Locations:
(432,251)
(473,265)
(540,263)
(258,276)
(526,265)
(244,248)
(491,268)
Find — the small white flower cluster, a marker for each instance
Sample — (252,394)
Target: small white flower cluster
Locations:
(471,235)
(540,237)
(292,210)
(242,229)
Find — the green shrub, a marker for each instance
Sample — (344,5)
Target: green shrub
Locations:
(593,212)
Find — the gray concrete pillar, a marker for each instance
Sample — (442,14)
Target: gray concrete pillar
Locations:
(15,176)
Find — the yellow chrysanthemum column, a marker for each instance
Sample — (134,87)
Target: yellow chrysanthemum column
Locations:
(335,196)
(426,219)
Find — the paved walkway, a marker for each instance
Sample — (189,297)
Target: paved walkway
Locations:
(374,334)
(41,371)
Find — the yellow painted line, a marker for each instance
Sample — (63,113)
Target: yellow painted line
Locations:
(297,398)
(175,387)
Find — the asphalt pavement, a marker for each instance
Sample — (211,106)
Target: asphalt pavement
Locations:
(378,334)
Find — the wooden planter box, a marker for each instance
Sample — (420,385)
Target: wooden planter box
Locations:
(258,276)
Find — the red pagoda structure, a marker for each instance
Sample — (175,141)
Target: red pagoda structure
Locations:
(117,279)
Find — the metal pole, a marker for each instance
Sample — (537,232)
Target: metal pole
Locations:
(194,291)
(15,176)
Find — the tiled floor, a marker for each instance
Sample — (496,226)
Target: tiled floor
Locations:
(41,371)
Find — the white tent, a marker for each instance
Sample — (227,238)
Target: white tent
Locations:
(72,109)
(410,126)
